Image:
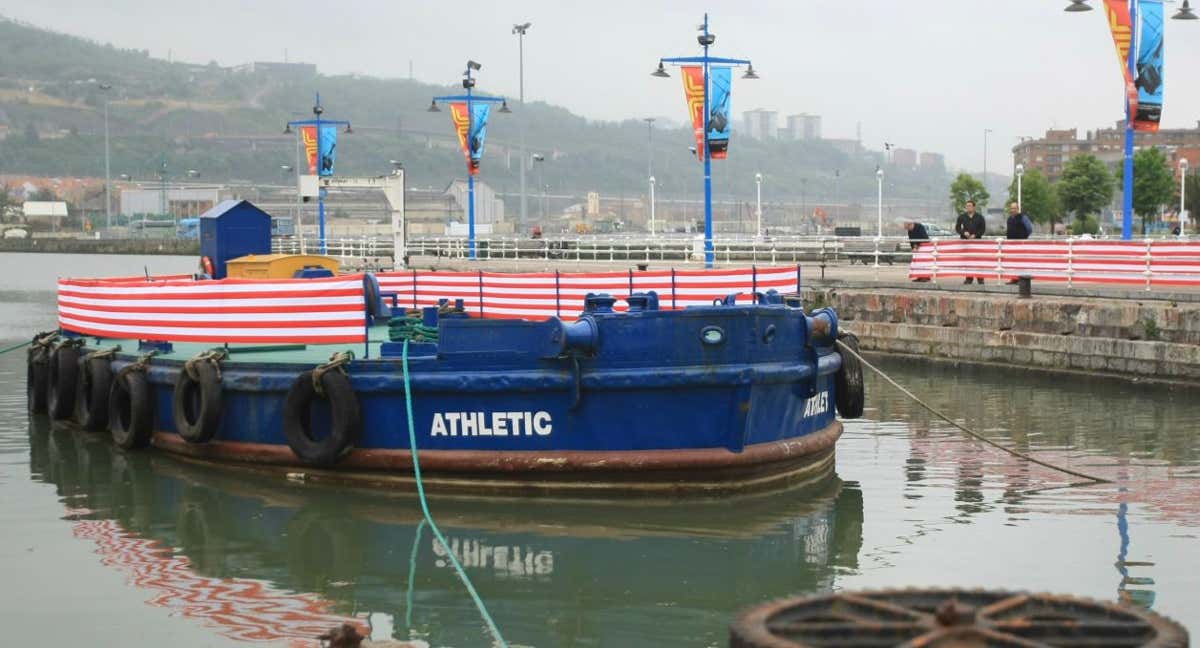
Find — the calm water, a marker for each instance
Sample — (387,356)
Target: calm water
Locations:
(110,548)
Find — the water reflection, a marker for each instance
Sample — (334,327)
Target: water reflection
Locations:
(257,558)
(1141,437)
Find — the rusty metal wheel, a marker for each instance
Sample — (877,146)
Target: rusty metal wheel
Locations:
(951,618)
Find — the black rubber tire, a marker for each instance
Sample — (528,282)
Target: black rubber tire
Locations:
(36,376)
(91,399)
(848,383)
(61,382)
(196,405)
(371,294)
(345,418)
(131,410)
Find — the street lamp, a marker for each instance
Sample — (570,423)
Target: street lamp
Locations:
(1020,174)
(520,30)
(1184,13)
(533,161)
(105,87)
(468,140)
(651,205)
(986,131)
(879,229)
(758,203)
(706,39)
(316,123)
(1183,215)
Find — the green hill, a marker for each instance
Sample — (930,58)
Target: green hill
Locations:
(227,124)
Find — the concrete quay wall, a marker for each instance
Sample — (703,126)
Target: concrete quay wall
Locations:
(101,246)
(1121,336)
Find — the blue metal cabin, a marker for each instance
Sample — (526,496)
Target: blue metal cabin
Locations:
(232,229)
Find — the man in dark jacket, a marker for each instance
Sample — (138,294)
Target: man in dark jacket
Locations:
(970,225)
(1018,226)
(917,234)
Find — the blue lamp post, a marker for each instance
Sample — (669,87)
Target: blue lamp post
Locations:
(468,84)
(706,39)
(1185,13)
(317,123)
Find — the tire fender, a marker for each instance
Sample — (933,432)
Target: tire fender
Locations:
(344,416)
(130,410)
(196,404)
(849,391)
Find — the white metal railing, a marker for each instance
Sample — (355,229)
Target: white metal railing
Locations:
(624,249)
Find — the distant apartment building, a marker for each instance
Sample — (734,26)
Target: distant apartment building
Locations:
(904,158)
(933,162)
(1051,153)
(803,127)
(761,124)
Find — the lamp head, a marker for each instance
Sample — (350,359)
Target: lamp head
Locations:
(706,39)
(285,167)
(504,107)
(472,65)
(1078,5)
(433,107)
(758,177)
(750,74)
(1185,12)
(468,82)
(1020,169)
(317,110)
(660,72)
(287,129)
(879,174)
(538,157)
(520,29)
(349,130)
(1183,163)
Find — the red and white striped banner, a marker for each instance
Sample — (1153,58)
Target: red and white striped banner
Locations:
(546,294)
(309,311)
(1166,263)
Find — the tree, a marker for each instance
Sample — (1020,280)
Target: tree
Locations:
(1086,186)
(1039,198)
(965,187)
(8,203)
(1153,183)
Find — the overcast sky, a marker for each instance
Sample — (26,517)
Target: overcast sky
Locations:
(924,74)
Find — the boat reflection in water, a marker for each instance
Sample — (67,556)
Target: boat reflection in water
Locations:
(257,558)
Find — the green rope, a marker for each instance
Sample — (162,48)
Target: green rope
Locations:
(14,347)
(412,575)
(412,444)
(410,328)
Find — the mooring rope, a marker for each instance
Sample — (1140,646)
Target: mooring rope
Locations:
(14,347)
(972,433)
(412,444)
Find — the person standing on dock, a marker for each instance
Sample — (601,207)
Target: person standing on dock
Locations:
(1018,226)
(970,225)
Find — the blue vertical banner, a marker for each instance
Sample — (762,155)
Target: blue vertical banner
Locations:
(1149,65)
(326,149)
(479,118)
(720,81)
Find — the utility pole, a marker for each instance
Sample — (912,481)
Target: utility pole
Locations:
(520,30)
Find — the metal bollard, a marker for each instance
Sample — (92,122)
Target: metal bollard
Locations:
(1024,286)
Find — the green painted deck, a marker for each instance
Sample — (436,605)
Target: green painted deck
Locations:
(248,353)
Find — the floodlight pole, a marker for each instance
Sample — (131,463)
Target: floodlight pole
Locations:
(706,61)
(1127,180)
(471,99)
(316,123)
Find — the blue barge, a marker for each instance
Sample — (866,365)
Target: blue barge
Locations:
(629,397)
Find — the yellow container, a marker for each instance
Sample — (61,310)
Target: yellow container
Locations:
(276,266)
